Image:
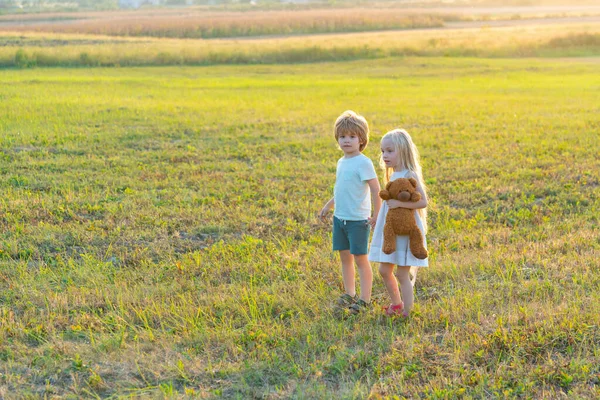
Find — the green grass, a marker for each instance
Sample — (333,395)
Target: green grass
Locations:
(159,234)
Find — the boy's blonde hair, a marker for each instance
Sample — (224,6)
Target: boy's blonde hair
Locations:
(408,155)
(352,123)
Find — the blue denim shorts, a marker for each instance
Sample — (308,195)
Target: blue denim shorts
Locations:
(351,235)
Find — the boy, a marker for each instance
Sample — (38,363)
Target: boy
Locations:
(356,187)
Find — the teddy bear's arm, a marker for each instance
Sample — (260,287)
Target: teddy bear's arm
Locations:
(416,196)
(384,194)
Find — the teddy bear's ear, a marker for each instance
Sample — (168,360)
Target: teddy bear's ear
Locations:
(387,187)
(413,181)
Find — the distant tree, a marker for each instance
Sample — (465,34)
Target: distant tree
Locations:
(7,3)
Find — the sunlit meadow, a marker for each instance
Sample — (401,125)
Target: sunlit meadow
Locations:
(159,234)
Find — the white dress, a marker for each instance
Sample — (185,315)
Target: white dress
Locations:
(402,256)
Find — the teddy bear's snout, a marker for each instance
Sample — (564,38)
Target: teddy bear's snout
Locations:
(404,196)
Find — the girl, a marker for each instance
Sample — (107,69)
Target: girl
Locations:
(399,159)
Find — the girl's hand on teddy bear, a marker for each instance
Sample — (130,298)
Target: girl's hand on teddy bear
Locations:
(393,203)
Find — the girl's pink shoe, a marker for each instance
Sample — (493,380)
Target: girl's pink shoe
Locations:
(395,310)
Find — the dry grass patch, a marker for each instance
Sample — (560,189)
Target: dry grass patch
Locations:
(211,24)
(40,49)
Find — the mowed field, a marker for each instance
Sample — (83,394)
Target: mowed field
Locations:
(158,230)
(159,234)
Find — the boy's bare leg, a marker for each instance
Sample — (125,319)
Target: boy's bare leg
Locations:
(407,288)
(366,276)
(348,272)
(386,270)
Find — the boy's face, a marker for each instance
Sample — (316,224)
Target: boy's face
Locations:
(349,143)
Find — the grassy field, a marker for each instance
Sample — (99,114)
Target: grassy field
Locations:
(185,23)
(27,50)
(287,19)
(159,234)
(214,36)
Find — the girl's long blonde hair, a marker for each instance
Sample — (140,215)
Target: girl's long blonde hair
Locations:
(409,159)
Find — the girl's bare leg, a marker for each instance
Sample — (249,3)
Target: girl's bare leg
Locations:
(348,272)
(386,270)
(366,276)
(407,288)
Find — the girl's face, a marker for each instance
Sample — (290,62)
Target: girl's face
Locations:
(350,144)
(389,153)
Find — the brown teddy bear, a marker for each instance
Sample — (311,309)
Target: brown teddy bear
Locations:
(401,221)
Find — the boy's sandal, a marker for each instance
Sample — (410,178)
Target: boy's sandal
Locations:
(346,300)
(395,310)
(358,307)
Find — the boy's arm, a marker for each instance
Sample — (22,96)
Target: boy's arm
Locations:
(375,200)
(326,208)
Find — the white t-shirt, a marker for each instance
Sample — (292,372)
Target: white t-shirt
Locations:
(351,193)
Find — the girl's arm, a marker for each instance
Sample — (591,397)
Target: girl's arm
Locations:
(414,205)
(375,200)
(326,208)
